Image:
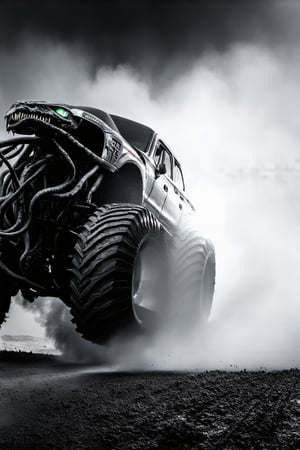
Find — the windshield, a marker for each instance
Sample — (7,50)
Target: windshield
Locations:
(136,134)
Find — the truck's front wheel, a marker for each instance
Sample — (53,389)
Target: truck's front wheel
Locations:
(117,271)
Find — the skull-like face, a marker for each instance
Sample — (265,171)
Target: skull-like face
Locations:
(39,118)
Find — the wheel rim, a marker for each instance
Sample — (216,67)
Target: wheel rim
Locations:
(146,281)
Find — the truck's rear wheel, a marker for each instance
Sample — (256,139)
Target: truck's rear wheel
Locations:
(116,271)
(194,278)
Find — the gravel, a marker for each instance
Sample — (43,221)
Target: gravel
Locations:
(46,403)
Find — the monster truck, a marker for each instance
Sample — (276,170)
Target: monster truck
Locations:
(93,210)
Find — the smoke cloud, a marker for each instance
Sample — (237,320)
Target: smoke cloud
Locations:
(55,319)
(233,122)
(160,39)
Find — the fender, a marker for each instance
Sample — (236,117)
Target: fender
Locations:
(125,185)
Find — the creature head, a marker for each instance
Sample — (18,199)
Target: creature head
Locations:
(39,118)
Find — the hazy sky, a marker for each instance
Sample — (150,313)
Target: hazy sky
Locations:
(220,81)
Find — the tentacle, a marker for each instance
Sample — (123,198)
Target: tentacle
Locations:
(20,140)
(13,151)
(11,198)
(26,249)
(14,231)
(17,206)
(13,174)
(20,278)
(58,131)
(5,179)
(78,186)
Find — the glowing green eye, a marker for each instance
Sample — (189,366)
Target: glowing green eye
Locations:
(62,112)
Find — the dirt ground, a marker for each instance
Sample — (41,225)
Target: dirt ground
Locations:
(46,403)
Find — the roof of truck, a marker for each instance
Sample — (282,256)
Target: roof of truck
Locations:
(137,134)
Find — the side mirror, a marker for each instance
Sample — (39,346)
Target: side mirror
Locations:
(161,170)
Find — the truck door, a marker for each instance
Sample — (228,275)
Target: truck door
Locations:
(158,191)
(163,195)
(172,208)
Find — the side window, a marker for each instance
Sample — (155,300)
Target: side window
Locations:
(162,155)
(158,156)
(168,163)
(178,177)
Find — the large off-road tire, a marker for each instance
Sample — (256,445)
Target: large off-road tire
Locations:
(117,268)
(194,272)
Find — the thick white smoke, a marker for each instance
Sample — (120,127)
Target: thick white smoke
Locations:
(233,122)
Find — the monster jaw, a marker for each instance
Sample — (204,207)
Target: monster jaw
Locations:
(25,118)
(16,117)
